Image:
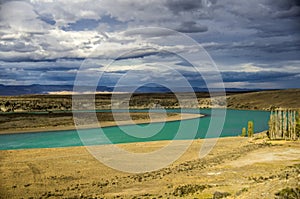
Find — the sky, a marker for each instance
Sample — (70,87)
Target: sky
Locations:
(251,44)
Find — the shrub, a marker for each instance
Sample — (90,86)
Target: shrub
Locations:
(250,128)
(288,193)
(218,195)
(189,189)
(244,132)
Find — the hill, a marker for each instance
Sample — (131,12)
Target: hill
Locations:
(261,100)
(264,100)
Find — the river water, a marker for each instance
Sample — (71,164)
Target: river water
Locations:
(234,122)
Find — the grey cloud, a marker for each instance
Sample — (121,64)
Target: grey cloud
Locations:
(17,47)
(149,32)
(21,17)
(25,58)
(266,46)
(47,19)
(258,47)
(283,4)
(58,76)
(138,54)
(292,12)
(191,27)
(45,69)
(263,76)
(270,30)
(177,6)
(18,74)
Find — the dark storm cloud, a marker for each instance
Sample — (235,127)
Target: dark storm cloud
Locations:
(135,55)
(267,30)
(23,58)
(258,51)
(260,45)
(191,27)
(178,6)
(284,4)
(287,9)
(146,33)
(146,52)
(46,69)
(262,76)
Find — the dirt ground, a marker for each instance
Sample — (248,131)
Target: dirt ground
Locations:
(236,167)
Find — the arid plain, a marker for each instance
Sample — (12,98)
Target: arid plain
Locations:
(237,167)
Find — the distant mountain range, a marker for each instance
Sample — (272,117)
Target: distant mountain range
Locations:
(11,90)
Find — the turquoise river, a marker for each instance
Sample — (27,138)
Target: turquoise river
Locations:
(235,120)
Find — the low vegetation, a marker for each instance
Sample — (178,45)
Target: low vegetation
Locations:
(250,129)
(189,189)
(219,195)
(244,132)
(288,193)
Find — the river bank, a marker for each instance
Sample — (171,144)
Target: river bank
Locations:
(29,123)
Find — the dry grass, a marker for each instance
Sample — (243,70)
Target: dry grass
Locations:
(265,100)
(238,166)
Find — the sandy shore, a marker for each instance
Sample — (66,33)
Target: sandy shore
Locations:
(157,117)
(237,167)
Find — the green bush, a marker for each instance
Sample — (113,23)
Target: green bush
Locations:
(244,132)
(250,129)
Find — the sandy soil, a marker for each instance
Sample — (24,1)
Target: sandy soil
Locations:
(239,167)
(40,123)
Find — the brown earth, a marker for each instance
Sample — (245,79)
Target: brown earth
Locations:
(237,167)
